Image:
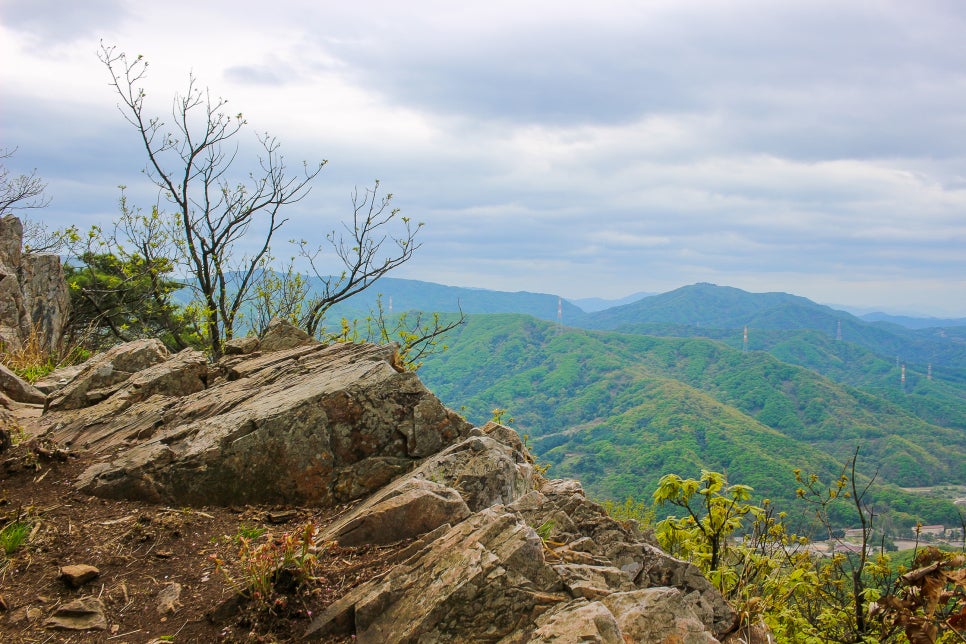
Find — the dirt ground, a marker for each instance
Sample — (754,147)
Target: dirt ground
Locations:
(144,552)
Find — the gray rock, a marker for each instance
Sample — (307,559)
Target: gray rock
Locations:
(100,375)
(241,346)
(484,471)
(18,389)
(577,622)
(479,582)
(284,431)
(586,530)
(84,614)
(11,240)
(13,315)
(46,298)
(657,615)
(282,334)
(592,581)
(58,379)
(407,510)
(34,300)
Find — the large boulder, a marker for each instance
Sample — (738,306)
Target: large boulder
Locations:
(480,581)
(289,426)
(45,297)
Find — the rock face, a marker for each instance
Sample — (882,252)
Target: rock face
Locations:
(496,552)
(308,425)
(489,575)
(33,294)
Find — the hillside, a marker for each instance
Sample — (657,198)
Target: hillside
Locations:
(913,322)
(618,410)
(714,309)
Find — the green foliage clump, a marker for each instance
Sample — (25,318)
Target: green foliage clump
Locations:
(14,535)
(848,593)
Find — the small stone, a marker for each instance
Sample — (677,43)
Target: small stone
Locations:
(282,516)
(78,575)
(168,599)
(86,613)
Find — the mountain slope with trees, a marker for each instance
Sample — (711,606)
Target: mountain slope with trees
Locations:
(619,410)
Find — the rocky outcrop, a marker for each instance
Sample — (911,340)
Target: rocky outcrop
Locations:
(490,549)
(308,425)
(491,576)
(102,375)
(34,301)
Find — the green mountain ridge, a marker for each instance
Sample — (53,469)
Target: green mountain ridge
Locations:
(619,410)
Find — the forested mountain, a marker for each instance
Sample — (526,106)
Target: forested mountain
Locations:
(708,310)
(913,322)
(618,410)
(413,295)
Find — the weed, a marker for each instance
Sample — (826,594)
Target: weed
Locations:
(287,561)
(13,536)
(497,416)
(249,533)
(17,433)
(545,530)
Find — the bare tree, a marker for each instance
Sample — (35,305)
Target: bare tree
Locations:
(191,162)
(26,192)
(23,191)
(360,252)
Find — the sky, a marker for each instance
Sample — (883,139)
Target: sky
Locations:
(582,149)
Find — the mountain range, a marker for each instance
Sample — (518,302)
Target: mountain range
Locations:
(707,377)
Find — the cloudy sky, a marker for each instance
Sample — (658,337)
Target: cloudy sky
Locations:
(583,149)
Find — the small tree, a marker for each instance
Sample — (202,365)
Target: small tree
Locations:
(360,254)
(191,161)
(121,283)
(715,511)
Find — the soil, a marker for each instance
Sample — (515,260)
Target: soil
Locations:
(140,550)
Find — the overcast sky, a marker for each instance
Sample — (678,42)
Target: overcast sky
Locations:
(582,149)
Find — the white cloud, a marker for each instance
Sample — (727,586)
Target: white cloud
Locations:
(594,149)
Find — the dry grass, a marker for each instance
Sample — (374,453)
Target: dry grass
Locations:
(34,359)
